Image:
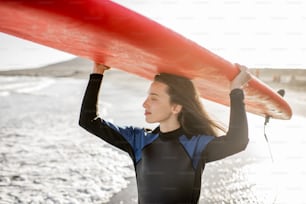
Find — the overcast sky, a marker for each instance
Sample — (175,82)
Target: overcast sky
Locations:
(259,33)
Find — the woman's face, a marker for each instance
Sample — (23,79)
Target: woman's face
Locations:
(157,105)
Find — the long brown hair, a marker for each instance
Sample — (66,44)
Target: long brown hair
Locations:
(193,118)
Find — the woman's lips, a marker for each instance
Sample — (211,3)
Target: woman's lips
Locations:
(147,113)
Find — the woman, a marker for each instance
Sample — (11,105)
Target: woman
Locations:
(169,161)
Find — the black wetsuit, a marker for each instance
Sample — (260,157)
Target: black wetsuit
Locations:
(169,165)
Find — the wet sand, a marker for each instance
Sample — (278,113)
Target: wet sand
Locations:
(47,158)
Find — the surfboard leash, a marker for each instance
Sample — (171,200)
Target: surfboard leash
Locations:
(267,119)
(266,137)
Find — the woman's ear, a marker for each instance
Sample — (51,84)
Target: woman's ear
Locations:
(176,108)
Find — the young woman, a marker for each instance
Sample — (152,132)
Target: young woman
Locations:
(169,161)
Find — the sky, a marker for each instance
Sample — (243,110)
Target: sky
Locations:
(256,33)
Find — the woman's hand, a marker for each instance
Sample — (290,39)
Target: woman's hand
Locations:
(241,79)
(99,68)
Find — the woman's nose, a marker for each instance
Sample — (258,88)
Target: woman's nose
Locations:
(145,103)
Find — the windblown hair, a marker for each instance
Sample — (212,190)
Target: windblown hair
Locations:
(193,118)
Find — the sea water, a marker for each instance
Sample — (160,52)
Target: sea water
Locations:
(45,157)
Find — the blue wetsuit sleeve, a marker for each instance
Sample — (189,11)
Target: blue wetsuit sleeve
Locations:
(120,137)
(236,138)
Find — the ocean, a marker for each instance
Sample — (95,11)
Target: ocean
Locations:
(45,157)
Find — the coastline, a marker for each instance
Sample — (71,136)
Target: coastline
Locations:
(80,68)
(292,80)
(75,68)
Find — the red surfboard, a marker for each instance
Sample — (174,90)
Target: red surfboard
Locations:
(108,33)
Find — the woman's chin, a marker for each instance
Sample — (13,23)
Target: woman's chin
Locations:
(149,120)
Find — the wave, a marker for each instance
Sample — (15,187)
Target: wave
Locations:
(24,85)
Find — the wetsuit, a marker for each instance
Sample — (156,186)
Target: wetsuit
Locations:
(168,165)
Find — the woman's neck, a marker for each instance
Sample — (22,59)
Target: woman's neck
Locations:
(168,127)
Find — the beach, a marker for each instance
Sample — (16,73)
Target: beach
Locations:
(46,157)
